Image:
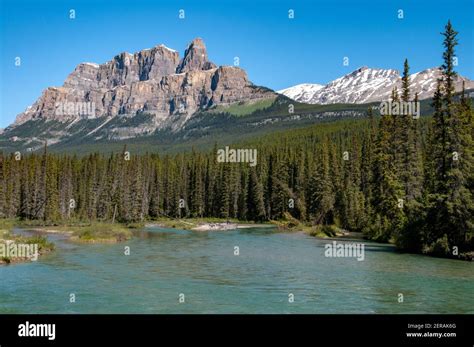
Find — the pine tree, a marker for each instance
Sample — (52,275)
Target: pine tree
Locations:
(387,189)
(242,203)
(280,190)
(155,194)
(321,192)
(2,186)
(450,198)
(298,196)
(224,193)
(51,210)
(255,200)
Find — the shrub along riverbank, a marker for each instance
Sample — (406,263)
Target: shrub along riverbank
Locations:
(79,232)
(84,232)
(14,248)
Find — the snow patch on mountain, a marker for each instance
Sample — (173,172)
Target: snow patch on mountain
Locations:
(301,92)
(169,49)
(91,64)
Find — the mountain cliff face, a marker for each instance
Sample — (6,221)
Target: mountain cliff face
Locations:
(153,81)
(366,85)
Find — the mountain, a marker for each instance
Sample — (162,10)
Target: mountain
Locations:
(153,81)
(366,85)
(221,125)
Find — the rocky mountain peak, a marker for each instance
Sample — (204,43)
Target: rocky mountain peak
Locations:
(370,73)
(153,81)
(359,70)
(195,58)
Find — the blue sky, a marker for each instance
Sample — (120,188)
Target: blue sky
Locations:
(276,51)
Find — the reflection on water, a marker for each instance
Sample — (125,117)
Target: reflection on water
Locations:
(166,262)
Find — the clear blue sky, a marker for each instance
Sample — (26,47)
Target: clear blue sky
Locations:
(276,52)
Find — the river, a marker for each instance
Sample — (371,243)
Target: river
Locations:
(271,268)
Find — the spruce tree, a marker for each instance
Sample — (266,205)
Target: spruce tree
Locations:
(255,200)
(450,199)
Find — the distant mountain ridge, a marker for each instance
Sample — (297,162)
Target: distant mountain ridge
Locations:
(366,85)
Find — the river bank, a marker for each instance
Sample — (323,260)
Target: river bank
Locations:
(88,233)
(110,233)
(15,248)
(19,248)
(205,224)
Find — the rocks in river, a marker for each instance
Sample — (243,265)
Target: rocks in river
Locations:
(216,226)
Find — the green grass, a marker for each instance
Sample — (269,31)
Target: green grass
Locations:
(288,223)
(324,231)
(82,231)
(6,226)
(240,109)
(91,232)
(44,246)
(100,233)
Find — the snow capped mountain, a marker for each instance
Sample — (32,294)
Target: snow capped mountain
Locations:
(426,80)
(301,92)
(362,85)
(369,85)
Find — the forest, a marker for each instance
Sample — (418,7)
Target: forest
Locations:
(396,178)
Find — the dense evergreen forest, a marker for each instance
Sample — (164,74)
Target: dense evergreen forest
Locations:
(393,177)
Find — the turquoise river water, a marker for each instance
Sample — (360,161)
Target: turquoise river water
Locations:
(271,268)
